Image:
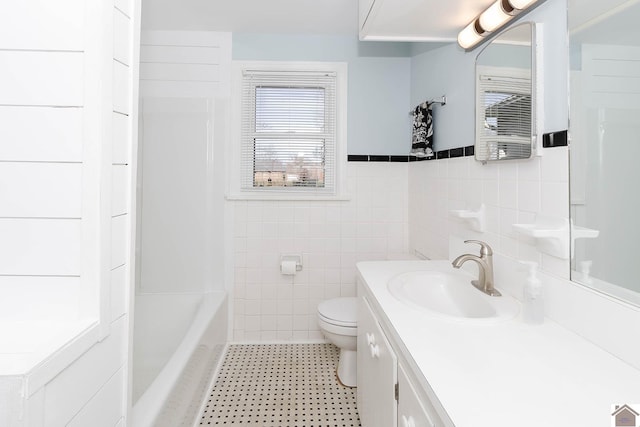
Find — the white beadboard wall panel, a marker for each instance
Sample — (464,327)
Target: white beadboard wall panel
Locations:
(602,67)
(41,134)
(35,409)
(54,298)
(121,146)
(186,38)
(178,89)
(56,72)
(45,190)
(59,25)
(40,247)
(41,78)
(107,402)
(185,64)
(121,88)
(179,72)
(119,292)
(119,241)
(74,387)
(121,37)
(11,410)
(119,189)
(180,54)
(126,6)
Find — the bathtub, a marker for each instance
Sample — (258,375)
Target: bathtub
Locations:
(169,384)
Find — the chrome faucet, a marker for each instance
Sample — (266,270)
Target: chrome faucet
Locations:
(485,268)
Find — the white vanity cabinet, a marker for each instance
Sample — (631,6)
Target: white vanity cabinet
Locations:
(376,372)
(388,392)
(411,411)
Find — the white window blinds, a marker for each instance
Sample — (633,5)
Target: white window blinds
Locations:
(504,128)
(288,134)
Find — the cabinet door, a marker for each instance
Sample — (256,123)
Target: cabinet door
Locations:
(376,372)
(411,412)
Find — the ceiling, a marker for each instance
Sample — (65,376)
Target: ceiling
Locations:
(410,20)
(426,20)
(254,16)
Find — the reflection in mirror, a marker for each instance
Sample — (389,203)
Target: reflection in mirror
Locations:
(504,108)
(605,144)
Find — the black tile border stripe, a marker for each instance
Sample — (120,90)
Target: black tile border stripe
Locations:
(555,139)
(443,154)
(549,140)
(357,158)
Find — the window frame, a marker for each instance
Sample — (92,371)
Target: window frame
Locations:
(235,167)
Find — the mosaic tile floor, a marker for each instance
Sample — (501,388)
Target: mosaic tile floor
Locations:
(280,385)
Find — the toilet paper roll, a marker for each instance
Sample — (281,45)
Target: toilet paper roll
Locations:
(288,268)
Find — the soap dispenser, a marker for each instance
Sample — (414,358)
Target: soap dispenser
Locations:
(532,301)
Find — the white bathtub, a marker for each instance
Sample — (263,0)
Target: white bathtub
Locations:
(199,328)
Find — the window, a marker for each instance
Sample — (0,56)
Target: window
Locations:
(291,130)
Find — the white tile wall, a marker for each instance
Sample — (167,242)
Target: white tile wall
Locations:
(512,192)
(330,236)
(515,192)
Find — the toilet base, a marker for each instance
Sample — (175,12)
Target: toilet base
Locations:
(347,368)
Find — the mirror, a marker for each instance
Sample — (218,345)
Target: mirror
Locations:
(605,144)
(505,115)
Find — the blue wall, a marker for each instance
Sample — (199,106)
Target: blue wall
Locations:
(379,83)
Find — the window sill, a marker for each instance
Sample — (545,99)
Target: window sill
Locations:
(273,196)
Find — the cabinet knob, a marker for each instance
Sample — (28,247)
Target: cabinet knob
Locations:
(375,351)
(408,422)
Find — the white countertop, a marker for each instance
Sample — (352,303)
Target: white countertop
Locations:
(505,374)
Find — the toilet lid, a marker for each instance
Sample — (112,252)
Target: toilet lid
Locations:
(340,311)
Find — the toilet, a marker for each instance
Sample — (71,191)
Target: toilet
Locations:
(337,319)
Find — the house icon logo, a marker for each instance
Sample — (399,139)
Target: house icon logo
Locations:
(625,416)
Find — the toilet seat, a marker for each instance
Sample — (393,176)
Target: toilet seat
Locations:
(341,312)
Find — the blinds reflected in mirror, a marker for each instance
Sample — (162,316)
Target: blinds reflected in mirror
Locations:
(504,107)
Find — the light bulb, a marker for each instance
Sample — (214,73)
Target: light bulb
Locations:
(469,36)
(521,4)
(494,17)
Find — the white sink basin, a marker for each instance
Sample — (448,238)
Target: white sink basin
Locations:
(451,294)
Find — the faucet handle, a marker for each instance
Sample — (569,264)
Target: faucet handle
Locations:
(485,249)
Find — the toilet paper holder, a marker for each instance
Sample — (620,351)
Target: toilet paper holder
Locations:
(291,258)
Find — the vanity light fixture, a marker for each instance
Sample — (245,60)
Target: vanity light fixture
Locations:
(493,18)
